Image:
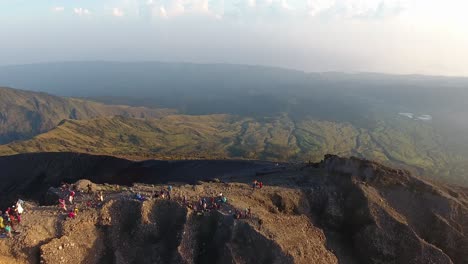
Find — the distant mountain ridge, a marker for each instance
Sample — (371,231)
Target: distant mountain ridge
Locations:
(24,114)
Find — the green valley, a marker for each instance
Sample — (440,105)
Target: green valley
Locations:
(216,111)
(413,146)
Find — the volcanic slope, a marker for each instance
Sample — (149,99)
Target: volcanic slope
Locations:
(337,211)
(411,146)
(24,114)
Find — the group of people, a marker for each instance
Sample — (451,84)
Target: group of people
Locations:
(140,197)
(205,204)
(164,193)
(11,218)
(98,199)
(70,197)
(239,214)
(71,209)
(257,184)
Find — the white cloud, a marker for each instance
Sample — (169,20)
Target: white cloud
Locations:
(81,11)
(117,12)
(271,9)
(175,8)
(285,5)
(178,8)
(172,10)
(338,9)
(356,8)
(199,6)
(162,11)
(315,7)
(58,9)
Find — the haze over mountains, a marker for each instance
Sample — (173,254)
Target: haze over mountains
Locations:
(235,111)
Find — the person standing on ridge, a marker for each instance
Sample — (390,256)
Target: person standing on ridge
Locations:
(17,215)
(2,224)
(8,230)
(71,196)
(169,190)
(19,206)
(62,204)
(11,222)
(100,197)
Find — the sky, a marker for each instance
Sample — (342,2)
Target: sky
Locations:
(390,36)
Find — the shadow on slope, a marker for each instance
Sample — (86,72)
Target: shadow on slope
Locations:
(30,175)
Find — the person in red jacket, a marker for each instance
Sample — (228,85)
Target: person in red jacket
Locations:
(71,214)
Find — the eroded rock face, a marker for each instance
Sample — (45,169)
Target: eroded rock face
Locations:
(340,211)
(381,235)
(128,231)
(390,216)
(363,170)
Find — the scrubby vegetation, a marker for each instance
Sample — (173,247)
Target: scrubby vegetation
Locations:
(394,142)
(24,114)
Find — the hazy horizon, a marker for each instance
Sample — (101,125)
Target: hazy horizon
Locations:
(385,36)
(232,64)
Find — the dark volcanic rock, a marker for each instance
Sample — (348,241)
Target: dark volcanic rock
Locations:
(31,175)
(393,217)
(364,212)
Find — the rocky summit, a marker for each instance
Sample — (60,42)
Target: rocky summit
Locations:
(341,210)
